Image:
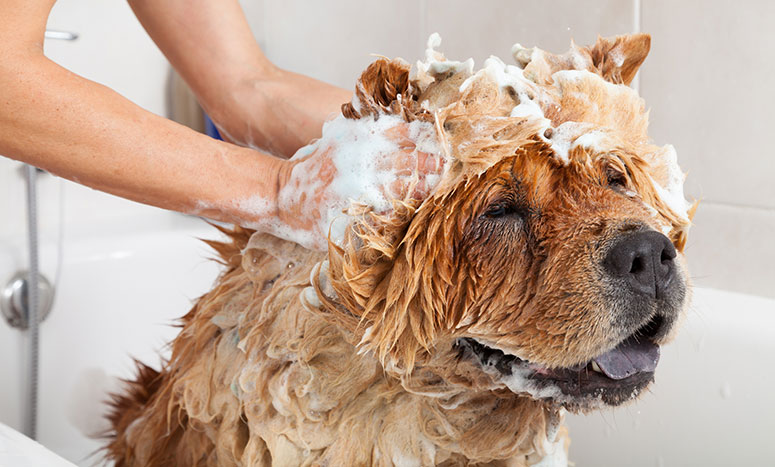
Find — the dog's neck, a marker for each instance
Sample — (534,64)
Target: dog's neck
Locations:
(298,370)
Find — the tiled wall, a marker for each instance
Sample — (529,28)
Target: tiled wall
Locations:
(112,49)
(707,82)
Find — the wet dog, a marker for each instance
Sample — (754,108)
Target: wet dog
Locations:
(540,275)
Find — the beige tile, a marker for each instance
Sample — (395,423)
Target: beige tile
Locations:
(12,199)
(13,203)
(332,41)
(112,49)
(709,83)
(733,248)
(491,27)
(254,13)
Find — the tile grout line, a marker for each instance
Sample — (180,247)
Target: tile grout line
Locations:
(737,206)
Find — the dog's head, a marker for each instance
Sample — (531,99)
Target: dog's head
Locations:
(548,260)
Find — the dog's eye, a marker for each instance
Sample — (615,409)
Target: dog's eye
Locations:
(496,211)
(499,210)
(616,179)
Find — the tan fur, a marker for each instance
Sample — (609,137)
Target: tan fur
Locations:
(362,371)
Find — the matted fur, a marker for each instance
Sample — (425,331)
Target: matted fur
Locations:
(362,371)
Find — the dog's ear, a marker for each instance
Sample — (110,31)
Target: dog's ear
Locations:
(386,283)
(618,58)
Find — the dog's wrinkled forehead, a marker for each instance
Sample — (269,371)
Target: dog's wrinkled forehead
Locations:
(562,100)
(578,106)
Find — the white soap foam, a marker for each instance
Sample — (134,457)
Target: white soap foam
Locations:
(565,136)
(617,55)
(257,206)
(355,101)
(512,77)
(520,383)
(362,148)
(435,63)
(672,193)
(592,140)
(579,61)
(555,455)
(366,335)
(309,298)
(362,152)
(522,55)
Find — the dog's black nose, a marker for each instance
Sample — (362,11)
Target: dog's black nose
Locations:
(644,260)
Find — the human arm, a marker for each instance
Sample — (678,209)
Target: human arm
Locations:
(83,131)
(253,102)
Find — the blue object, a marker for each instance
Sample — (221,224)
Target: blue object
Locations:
(210,129)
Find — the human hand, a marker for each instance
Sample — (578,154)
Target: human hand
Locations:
(364,161)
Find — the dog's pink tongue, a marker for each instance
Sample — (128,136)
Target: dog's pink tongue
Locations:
(630,357)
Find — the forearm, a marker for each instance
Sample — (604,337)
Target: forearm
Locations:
(85,132)
(252,101)
(78,129)
(281,113)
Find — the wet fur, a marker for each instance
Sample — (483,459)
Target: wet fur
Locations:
(364,371)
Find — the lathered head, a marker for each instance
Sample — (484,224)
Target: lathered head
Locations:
(548,261)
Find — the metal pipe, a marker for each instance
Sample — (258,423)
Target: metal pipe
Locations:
(33,296)
(33,305)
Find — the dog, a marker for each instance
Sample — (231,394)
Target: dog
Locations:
(540,275)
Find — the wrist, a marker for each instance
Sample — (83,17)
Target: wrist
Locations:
(283,175)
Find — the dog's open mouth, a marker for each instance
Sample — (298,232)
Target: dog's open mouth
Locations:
(610,378)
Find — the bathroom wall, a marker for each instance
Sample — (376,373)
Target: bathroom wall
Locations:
(705,81)
(708,82)
(114,50)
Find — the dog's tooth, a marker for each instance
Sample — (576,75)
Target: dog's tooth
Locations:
(596,367)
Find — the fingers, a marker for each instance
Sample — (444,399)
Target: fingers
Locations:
(408,162)
(428,163)
(410,168)
(399,134)
(399,172)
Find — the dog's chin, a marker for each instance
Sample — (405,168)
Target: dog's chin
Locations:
(583,387)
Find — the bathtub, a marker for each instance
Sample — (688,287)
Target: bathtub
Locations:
(712,403)
(116,300)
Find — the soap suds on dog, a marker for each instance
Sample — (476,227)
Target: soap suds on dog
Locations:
(360,149)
